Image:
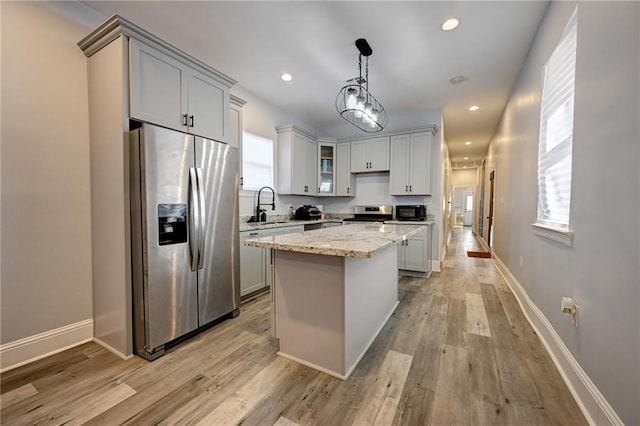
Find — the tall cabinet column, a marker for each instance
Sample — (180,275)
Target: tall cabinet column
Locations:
(109,50)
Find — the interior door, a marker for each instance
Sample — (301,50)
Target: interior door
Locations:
(219,278)
(467,197)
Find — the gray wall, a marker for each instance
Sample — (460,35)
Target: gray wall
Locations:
(601,271)
(46,232)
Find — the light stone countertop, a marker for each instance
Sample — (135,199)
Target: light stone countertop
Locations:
(356,240)
(281,223)
(426,222)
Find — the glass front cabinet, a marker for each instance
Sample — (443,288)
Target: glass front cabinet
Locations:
(326,167)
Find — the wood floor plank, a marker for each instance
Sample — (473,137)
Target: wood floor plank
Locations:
(235,408)
(235,371)
(208,354)
(477,322)
(16,395)
(452,401)
(90,405)
(484,378)
(552,389)
(281,397)
(382,399)
(312,399)
(143,399)
(19,377)
(456,323)
(515,377)
(484,411)
(416,405)
(283,421)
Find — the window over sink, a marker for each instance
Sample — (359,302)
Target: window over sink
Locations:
(257,161)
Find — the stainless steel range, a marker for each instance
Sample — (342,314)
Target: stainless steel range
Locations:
(371,214)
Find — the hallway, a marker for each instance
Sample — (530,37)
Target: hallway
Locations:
(457,350)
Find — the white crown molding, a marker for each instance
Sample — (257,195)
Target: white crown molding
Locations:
(239,102)
(116,26)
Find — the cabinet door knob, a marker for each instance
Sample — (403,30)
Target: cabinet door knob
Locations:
(192,121)
(410,188)
(184,120)
(348,189)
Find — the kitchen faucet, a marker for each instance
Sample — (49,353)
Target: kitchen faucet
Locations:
(259,218)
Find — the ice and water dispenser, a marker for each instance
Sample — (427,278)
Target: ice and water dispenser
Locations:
(172,224)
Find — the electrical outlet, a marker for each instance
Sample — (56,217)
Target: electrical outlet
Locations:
(568,306)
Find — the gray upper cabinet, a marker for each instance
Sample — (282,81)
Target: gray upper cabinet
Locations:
(296,162)
(370,155)
(345,181)
(410,169)
(167,92)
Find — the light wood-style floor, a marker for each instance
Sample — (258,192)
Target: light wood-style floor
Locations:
(457,350)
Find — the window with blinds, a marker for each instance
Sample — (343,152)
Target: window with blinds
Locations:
(556,131)
(257,162)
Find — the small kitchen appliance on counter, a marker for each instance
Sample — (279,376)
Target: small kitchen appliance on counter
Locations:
(371,214)
(307,212)
(412,212)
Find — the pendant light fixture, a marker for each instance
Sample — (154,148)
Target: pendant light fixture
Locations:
(354,102)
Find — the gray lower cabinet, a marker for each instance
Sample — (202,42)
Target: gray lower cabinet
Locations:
(256,268)
(414,253)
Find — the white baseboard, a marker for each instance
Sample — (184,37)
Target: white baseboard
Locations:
(435,266)
(112,349)
(33,348)
(593,404)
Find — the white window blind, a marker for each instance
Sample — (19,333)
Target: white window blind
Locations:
(257,161)
(556,131)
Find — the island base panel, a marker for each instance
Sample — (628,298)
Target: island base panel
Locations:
(329,309)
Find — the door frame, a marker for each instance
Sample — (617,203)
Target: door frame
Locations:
(490,218)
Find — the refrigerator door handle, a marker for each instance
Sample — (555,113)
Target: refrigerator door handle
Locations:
(194,218)
(203,214)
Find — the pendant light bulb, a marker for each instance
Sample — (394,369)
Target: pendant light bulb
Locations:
(367,109)
(360,106)
(352,98)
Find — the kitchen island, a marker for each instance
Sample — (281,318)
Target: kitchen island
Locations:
(334,290)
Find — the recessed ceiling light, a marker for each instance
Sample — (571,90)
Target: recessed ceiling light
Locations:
(474,108)
(450,24)
(458,79)
(286,77)
(466,158)
(467,143)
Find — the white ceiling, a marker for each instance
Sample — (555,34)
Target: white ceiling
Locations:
(409,71)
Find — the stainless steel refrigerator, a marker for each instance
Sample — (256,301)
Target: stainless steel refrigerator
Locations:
(185,240)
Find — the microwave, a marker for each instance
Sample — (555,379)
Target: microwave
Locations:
(414,212)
